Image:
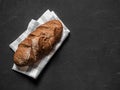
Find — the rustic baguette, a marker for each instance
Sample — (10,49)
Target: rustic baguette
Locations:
(38,43)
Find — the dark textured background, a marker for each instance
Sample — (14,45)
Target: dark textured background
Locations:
(88,60)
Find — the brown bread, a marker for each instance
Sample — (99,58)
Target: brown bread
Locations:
(38,43)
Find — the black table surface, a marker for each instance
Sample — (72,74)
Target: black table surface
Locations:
(89,59)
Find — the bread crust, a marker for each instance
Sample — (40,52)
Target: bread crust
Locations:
(39,43)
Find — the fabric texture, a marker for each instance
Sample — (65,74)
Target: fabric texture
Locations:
(35,70)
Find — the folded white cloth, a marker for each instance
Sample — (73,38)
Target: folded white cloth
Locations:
(36,69)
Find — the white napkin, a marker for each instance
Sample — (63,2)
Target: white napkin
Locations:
(36,69)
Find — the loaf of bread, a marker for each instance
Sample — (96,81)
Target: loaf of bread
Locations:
(39,43)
